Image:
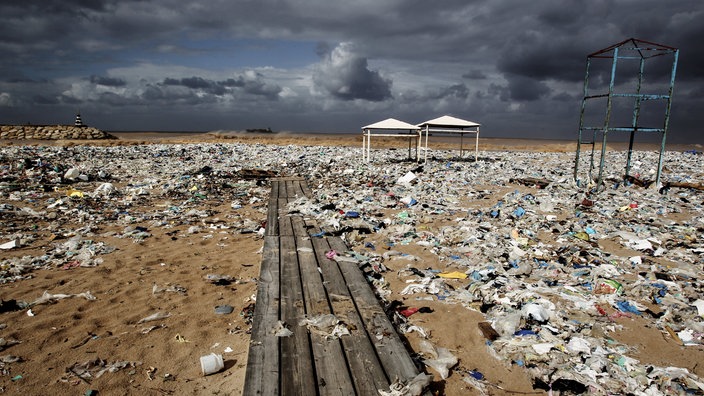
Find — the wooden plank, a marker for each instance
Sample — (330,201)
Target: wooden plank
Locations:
(391,351)
(306,190)
(298,187)
(262,373)
(284,218)
(365,368)
(274,195)
(297,376)
(282,188)
(290,190)
(299,226)
(272,216)
(333,377)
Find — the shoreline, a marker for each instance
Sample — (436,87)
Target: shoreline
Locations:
(441,142)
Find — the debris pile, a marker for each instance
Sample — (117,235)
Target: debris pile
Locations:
(555,270)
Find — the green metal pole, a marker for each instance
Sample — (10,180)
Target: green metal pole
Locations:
(667,117)
(607,119)
(581,121)
(636,114)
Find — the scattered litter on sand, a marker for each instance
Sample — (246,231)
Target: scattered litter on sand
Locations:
(552,279)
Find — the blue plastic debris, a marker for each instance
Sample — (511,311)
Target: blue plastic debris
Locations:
(319,234)
(525,333)
(625,306)
(662,288)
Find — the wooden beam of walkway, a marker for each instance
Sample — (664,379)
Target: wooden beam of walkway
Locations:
(298,281)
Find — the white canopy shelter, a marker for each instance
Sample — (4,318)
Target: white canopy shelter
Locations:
(390,127)
(449,124)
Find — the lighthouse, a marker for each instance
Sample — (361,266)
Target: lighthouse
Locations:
(78,121)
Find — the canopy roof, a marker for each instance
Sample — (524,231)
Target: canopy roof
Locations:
(391,123)
(449,122)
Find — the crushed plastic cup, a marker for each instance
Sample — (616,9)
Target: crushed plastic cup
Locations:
(211,364)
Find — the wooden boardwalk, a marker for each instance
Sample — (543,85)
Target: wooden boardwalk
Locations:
(297,280)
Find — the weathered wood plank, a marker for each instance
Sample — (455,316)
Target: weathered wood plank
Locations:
(333,377)
(306,190)
(282,188)
(284,219)
(274,194)
(290,190)
(299,226)
(298,187)
(297,376)
(392,353)
(262,373)
(272,217)
(365,368)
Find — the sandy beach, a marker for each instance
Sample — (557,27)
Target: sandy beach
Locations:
(116,276)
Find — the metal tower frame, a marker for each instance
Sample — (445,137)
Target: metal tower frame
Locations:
(629,49)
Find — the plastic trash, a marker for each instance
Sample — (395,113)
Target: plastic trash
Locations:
(515,222)
(440,359)
(48,297)
(155,316)
(536,312)
(280,330)
(72,174)
(10,245)
(224,309)
(453,275)
(406,179)
(413,387)
(211,364)
(327,325)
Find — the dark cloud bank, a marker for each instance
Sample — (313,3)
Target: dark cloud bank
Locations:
(515,67)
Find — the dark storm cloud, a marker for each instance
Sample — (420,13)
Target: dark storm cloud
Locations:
(474,75)
(345,75)
(537,59)
(112,99)
(495,57)
(108,81)
(457,91)
(522,88)
(250,84)
(198,83)
(261,88)
(44,100)
(65,99)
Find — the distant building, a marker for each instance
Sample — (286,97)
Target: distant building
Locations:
(78,122)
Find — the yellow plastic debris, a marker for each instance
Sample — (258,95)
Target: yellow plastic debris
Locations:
(453,275)
(582,235)
(181,338)
(74,193)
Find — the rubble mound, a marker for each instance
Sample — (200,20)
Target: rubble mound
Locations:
(52,132)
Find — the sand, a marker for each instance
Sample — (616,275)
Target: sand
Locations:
(168,273)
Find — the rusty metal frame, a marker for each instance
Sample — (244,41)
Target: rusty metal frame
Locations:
(628,50)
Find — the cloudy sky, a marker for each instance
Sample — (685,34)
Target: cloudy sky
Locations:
(516,67)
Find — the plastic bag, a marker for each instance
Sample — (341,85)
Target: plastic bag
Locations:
(441,358)
(414,387)
(155,316)
(280,330)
